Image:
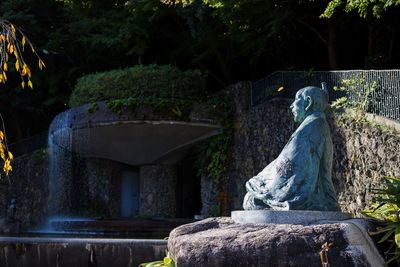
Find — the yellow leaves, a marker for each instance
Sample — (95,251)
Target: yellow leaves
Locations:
(12,46)
(3,77)
(13,28)
(26,71)
(2,154)
(41,64)
(7,166)
(5,155)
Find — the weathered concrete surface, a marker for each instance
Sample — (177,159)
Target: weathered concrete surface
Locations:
(134,138)
(66,252)
(221,242)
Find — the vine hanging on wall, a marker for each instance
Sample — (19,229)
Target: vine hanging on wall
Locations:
(212,159)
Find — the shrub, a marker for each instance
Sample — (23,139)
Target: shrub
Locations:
(386,209)
(142,83)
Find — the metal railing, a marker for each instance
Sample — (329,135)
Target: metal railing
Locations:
(29,144)
(384,101)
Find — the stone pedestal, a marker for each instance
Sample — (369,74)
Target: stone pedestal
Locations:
(222,242)
(304,217)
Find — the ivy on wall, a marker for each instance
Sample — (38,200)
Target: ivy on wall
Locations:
(213,156)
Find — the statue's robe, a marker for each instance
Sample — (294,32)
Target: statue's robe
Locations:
(300,178)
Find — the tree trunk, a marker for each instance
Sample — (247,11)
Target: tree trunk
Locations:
(332,51)
(371,40)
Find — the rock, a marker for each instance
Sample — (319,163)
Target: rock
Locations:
(221,242)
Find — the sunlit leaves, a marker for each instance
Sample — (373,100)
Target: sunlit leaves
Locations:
(5,155)
(363,8)
(176,2)
(386,207)
(210,3)
(12,47)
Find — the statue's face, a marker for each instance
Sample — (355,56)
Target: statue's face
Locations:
(298,108)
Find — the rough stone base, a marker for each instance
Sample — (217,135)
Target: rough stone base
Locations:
(221,242)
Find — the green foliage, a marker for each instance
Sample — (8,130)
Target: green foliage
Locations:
(212,159)
(215,211)
(161,87)
(363,8)
(358,93)
(386,209)
(166,262)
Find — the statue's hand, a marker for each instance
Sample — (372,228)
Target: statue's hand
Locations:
(256,185)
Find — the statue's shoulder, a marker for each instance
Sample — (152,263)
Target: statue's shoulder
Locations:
(313,128)
(314,122)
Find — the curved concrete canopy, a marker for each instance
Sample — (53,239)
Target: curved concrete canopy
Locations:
(125,138)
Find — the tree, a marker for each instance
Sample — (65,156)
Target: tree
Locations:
(363,8)
(12,45)
(382,20)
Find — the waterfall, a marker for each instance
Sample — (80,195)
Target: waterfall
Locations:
(60,162)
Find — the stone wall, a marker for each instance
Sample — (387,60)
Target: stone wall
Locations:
(363,152)
(104,187)
(27,184)
(158,190)
(84,187)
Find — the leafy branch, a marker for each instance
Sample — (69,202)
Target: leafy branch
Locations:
(386,209)
(358,94)
(12,45)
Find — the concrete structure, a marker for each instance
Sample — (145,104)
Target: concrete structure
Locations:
(134,138)
(303,217)
(64,252)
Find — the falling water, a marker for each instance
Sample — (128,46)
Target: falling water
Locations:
(60,161)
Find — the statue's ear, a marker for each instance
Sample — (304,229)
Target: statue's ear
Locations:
(308,103)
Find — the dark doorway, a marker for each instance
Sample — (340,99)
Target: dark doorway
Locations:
(188,189)
(129,193)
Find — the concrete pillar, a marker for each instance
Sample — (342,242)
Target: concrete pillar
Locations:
(158,190)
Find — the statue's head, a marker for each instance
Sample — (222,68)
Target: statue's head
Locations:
(308,100)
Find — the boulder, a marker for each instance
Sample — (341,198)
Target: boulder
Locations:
(222,242)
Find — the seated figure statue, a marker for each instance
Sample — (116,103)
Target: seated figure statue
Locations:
(300,177)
